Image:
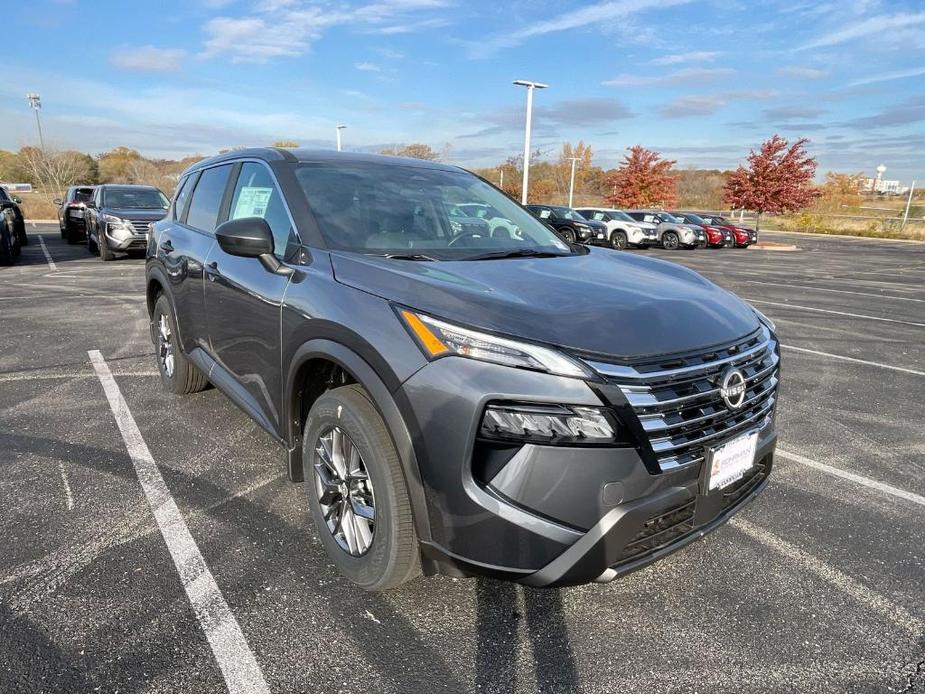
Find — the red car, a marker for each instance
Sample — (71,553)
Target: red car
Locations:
(744,237)
(717,236)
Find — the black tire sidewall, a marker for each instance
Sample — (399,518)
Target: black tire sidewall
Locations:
(673,244)
(162,307)
(615,240)
(348,409)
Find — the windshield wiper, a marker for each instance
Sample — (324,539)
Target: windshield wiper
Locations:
(404,256)
(516,253)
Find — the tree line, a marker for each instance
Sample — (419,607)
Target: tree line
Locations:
(776,178)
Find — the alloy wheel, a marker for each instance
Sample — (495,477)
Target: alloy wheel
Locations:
(670,241)
(619,240)
(164,345)
(345,492)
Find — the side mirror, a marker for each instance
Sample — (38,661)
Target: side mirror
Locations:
(56,201)
(250,237)
(90,204)
(17,200)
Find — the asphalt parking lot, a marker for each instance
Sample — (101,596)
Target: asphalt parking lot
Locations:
(819,586)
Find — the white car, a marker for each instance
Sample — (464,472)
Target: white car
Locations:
(622,230)
(672,232)
(497,223)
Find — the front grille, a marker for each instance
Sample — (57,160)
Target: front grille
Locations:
(678,401)
(140,226)
(661,530)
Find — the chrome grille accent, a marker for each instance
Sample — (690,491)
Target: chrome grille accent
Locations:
(140,226)
(678,401)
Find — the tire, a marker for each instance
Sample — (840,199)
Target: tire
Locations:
(184,378)
(391,556)
(71,235)
(670,241)
(103,247)
(7,254)
(91,246)
(618,240)
(568,235)
(19,225)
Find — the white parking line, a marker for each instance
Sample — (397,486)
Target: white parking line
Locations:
(875,295)
(842,581)
(51,263)
(235,659)
(68,496)
(837,313)
(859,479)
(856,361)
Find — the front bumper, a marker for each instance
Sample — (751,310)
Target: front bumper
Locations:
(538,514)
(126,241)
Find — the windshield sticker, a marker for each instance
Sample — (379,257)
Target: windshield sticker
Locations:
(252,202)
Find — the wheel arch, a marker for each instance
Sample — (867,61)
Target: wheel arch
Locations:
(318,354)
(156,283)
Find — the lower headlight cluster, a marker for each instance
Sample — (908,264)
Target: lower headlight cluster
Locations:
(550,424)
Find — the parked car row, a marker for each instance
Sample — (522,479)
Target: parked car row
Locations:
(643,228)
(110,218)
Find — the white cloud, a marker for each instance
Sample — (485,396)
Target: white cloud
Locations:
(881,25)
(368,67)
(686,76)
(888,77)
(692,57)
(287,28)
(810,73)
(147,58)
(586,16)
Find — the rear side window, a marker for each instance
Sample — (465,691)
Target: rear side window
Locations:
(207,198)
(182,196)
(257,195)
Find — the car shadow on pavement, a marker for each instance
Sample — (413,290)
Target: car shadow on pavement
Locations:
(498,628)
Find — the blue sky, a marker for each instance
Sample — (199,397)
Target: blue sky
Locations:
(700,80)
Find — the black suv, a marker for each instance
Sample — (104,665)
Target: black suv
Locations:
(12,217)
(571,226)
(505,405)
(118,218)
(71,212)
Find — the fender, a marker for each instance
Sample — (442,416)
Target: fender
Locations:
(366,376)
(153,272)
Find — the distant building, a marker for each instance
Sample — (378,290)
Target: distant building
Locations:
(883,186)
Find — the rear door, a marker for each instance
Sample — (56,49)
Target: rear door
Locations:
(244,300)
(183,248)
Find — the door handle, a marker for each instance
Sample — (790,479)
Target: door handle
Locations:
(166,247)
(212,270)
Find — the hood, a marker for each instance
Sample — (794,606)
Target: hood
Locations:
(643,225)
(604,303)
(130,213)
(594,224)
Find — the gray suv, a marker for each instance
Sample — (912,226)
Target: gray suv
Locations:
(453,401)
(673,233)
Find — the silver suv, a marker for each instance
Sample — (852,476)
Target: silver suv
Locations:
(672,232)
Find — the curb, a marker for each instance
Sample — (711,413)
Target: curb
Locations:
(839,236)
(773,246)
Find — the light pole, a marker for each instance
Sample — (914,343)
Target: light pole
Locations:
(339,128)
(530,87)
(571,185)
(35,102)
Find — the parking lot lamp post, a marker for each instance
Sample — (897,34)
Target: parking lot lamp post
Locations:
(571,185)
(338,129)
(908,204)
(530,87)
(35,102)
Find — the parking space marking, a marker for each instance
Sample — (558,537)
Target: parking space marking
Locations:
(68,496)
(51,263)
(842,581)
(854,477)
(235,659)
(837,313)
(853,359)
(840,291)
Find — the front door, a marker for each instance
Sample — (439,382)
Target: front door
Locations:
(243,300)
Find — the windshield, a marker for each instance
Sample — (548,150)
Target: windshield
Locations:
(135,198)
(622,216)
(389,209)
(665,217)
(83,194)
(567,213)
(694,219)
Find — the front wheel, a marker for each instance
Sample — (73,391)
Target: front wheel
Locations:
(568,235)
(670,241)
(103,246)
(356,491)
(618,240)
(20,225)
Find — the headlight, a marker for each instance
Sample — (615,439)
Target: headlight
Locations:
(555,424)
(113,220)
(436,338)
(764,319)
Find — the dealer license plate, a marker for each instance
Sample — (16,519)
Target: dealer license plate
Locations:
(730,462)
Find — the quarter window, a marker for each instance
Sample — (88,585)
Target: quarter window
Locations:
(207,198)
(257,195)
(183,193)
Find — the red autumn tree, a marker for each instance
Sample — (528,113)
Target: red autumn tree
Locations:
(644,179)
(778,178)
